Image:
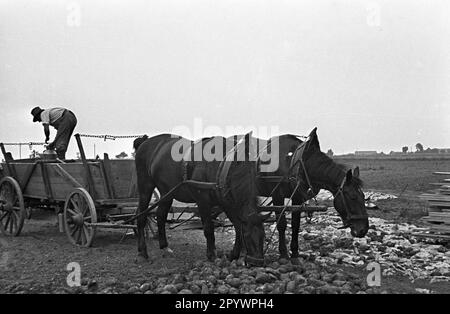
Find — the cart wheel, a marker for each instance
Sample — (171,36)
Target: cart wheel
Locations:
(12,208)
(79,211)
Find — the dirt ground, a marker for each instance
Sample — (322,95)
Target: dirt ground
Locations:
(36,261)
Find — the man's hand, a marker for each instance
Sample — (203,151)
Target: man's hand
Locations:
(46,133)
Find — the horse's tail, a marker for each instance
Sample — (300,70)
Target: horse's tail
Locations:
(137,142)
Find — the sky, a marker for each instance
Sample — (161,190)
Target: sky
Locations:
(370,75)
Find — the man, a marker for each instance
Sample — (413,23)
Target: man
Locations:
(63,120)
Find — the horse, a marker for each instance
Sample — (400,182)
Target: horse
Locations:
(236,194)
(319,172)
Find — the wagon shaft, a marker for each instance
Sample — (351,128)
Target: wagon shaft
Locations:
(293,208)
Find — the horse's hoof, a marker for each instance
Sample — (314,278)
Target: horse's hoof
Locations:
(232,256)
(167,252)
(211,257)
(254,261)
(295,261)
(141,259)
(284,259)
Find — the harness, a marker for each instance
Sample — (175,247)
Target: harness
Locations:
(297,168)
(349,216)
(188,161)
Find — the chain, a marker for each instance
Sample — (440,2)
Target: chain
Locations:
(110,137)
(25,144)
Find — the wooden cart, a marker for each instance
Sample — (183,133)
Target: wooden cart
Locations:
(86,194)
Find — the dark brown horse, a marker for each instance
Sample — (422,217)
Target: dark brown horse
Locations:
(322,173)
(158,165)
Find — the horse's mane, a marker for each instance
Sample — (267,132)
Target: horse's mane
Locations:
(138,142)
(327,165)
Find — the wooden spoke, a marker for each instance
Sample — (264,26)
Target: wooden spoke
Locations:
(3,216)
(7,221)
(75,205)
(74,229)
(15,217)
(86,232)
(13,223)
(83,236)
(71,211)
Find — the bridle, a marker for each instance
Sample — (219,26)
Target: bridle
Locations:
(349,215)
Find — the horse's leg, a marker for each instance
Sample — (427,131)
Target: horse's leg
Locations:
(278,200)
(295,229)
(236,251)
(161,214)
(146,188)
(208,229)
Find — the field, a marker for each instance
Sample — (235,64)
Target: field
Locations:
(36,261)
(413,175)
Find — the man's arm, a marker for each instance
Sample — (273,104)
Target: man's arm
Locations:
(47,132)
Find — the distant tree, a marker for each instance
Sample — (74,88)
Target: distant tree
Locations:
(419,147)
(122,155)
(330,152)
(405,149)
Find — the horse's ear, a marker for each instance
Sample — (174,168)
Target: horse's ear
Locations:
(313,132)
(356,172)
(349,175)
(313,141)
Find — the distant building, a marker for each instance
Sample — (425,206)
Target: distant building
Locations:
(437,151)
(365,153)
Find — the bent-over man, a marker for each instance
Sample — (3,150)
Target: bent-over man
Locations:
(63,120)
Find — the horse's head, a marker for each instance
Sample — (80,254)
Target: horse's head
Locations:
(348,198)
(349,203)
